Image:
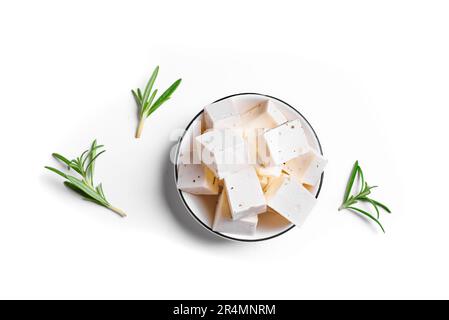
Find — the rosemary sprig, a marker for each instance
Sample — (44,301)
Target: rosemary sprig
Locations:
(145,100)
(84,165)
(362,196)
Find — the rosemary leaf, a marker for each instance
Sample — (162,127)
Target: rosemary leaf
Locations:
(62,159)
(92,157)
(145,101)
(165,96)
(368,215)
(365,190)
(373,204)
(150,84)
(381,205)
(56,171)
(84,165)
(351,180)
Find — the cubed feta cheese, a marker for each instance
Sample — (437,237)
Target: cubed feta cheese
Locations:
(244,103)
(307,168)
(256,121)
(196,131)
(185,156)
(289,198)
(283,143)
(252,137)
(264,115)
(196,179)
(223,220)
(190,151)
(245,194)
(221,115)
(223,151)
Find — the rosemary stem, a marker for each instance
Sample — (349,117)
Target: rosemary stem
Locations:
(140,128)
(120,212)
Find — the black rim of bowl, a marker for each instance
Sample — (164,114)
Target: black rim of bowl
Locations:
(182,196)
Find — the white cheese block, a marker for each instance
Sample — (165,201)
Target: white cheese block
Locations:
(272,171)
(221,115)
(190,151)
(264,115)
(185,154)
(223,151)
(223,220)
(196,131)
(283,143)
(196,179)
(307,168)
(289,198)
(245,194)
(244,103)
(252,138)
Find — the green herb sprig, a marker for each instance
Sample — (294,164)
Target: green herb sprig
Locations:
(362,196)
(145,100)
(84,165)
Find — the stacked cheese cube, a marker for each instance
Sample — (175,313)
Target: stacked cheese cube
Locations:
(255,160)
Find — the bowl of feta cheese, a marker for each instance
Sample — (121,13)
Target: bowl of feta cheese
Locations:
(249,167)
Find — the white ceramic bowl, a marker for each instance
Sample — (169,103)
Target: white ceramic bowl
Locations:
(202,208)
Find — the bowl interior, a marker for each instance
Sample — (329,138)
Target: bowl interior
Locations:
(202,207)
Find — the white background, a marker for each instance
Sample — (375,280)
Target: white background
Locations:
(371,77)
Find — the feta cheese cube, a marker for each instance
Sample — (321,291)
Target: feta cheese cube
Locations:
(221,115)
(190,152)
(185,155)
(245,195)
(196,130)
(283,143)
(289,198)
(264,115)
(256,121)
(223,220)
(245,103)
(252,139)
(307,168)
(196,179)
(223,151)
